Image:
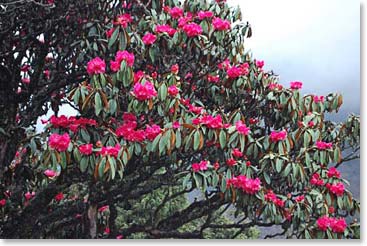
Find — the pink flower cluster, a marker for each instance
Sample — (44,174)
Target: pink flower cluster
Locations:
(237,71)
(295,85)
(209,121)
(213,78)
(144,91)
(201,166)
(151,132)
(242,128)
(29,195)
(337,189)
(237,153)
(71,122)
(184,20)
(318,99)
(192,29)
(50,173)
(275,86)
(165,29)
(247,185)
(231,162)
(86,149)
(138,75)
(336,225)
(260,64)
(149,38)
(59,196)
(96,66)
(278,136)
(195,109)
(110,150)
(122,56)
(299,198)
(123,20)
(320,145)
(316,180)
(333,172)
(173,90)
(205,14)
(176,12)
(59,142)
(221,25)
(270,196)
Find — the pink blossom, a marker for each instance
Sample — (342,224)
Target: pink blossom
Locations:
(59,196)
(242,128)
(26,81)
(110,150)
(176,125)
(316,180)
(338,225)
(213,78)
(176,12)
(237,153)
(149,38)
(234,72)
(174,69)
(320,145)
(59,142)
(165,29)
(107,230)
(123,20)
(270,196)
(260,64)
(109,32)
(125,56)
(201,166)
(47,73)
(138,76)
(205,14)
(275,86)
(337,189)
(96,66)
(128,117)
(25,68)
(2,203)
(115,66)
(86,149)
(184,20)
(144,91)
(231,162)
(333,172)
(28,196)
(119,236)
(103,208)
(247,185)
(195,109)
(318,99)
(151,132)
(323,223)
(221,25)
(299,198)
(173,90)
(295,85)
(50,173)
(192,29)
(278,136)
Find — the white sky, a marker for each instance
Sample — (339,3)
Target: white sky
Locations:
(313,41)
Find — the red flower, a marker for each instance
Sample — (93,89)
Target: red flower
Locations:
(119,236)
(333,172)
(237,153)
(216,166)
(165,29)
(320,145)
(176,12)
(201,166)
(96,66)
(103,208)
(149,38)
(337,189)
(260,64)
(315,180)
(299,198)
(192,29)
(110,150)
(86,149)
(234,72)
(296,85)
(144,91)
(59,197)
(323,223)
(123,20)
(138,76)
(205,14)
(242,128)
(50,173)
(338,225)
(247,185)
(28,196)
(2,203)
(176,125)
(151,132)
(231,162)
(26,81)
(213,78)
(318,99)
(174,69)
(173,90)
(221,25)
(59,142)
(109,32)
(278,136)
(107,230)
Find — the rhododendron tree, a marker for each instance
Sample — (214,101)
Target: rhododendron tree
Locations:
(167,100)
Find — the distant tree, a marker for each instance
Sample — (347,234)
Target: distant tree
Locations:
(168,103)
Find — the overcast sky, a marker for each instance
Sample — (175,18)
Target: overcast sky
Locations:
(313,41)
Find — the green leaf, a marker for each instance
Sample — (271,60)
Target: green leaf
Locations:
(178,139)
(113,38)
(113,106)
(84,164)
(278,165)
(97,103)
(112,162)
(267,178)
(196,140)
(222,139)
